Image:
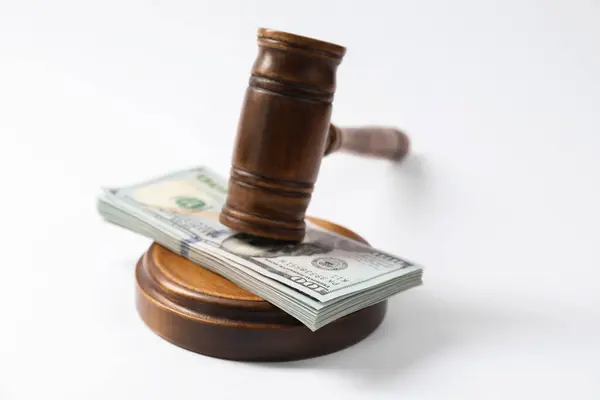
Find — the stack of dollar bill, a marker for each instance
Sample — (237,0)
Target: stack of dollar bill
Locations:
(317,281)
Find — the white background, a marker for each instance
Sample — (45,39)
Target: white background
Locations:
(499,201)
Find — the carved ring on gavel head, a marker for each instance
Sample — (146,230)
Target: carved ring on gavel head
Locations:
(284,131)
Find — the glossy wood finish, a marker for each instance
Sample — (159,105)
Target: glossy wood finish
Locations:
(201,311)
(282,135)
(284,131)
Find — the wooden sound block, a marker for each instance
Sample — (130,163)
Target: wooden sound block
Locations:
(201,311)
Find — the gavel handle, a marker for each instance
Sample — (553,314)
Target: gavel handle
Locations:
(370,141)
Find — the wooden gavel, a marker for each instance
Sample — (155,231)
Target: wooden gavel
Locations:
(284,131)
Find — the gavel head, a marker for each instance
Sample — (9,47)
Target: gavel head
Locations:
(282,135)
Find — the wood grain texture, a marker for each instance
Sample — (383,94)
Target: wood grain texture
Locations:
(283,133)
(201,311)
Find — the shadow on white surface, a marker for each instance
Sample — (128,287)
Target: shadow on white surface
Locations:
(409,185)
(417,328)
(415,182)
(413,167)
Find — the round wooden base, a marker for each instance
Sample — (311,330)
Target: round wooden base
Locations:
(201,311)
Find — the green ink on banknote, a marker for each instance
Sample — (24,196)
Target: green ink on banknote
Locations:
(190,203)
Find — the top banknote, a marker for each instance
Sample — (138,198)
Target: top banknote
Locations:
(318,280)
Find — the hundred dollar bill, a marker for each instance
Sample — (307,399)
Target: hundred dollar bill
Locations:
(317,280)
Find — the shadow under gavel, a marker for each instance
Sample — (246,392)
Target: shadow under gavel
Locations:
(284,132)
